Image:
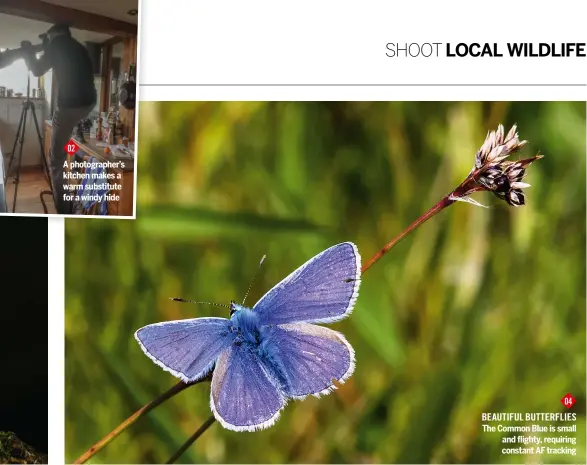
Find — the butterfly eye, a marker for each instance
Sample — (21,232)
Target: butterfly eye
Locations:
(232,307)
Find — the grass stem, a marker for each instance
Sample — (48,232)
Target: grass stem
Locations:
(445,202)
(192,439)
(176,389)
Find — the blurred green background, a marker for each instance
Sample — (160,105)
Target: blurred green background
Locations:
(479,310)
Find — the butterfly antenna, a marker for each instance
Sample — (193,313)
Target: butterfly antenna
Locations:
(177,299)
(254,277)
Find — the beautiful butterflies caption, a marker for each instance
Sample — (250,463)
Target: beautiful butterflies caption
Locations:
(265,355)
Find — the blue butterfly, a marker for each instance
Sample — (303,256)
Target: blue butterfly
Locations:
(265,355)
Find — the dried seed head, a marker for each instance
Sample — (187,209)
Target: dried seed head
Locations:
(494,173)
(498,147)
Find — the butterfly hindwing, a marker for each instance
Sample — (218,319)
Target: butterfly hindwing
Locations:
(307,358)
(243,395)
(323,290)
(186,348)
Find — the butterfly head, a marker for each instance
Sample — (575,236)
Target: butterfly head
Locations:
(234,307)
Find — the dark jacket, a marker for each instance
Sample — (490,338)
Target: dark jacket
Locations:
(70,61)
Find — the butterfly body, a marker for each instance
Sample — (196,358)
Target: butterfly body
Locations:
(245,324)
(265,355)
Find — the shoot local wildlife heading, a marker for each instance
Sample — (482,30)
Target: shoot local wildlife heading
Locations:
(474,50)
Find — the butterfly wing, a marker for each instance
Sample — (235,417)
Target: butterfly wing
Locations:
(322,290)
(187,349)
(307,358)
(244,396)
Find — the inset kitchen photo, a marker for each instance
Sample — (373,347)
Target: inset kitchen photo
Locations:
(68,78)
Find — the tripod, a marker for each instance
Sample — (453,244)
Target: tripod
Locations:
(27,106)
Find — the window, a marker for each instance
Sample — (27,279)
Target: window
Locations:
(15,77)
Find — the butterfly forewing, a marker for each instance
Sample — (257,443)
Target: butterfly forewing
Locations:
(323,290)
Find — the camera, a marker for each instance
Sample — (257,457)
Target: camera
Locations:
(10,56)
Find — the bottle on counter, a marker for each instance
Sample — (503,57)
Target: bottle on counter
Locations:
(111,135)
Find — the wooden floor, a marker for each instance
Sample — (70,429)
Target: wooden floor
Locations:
(32,182)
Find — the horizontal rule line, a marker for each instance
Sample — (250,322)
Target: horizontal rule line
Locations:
(364,85)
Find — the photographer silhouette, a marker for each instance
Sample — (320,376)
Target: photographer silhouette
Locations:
(76,94)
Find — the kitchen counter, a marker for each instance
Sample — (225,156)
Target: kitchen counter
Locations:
(91,147)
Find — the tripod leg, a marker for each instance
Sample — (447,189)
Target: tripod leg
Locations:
(15,142)
(36,121)
(19,161)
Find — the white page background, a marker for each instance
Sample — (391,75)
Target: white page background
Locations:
(327,42)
